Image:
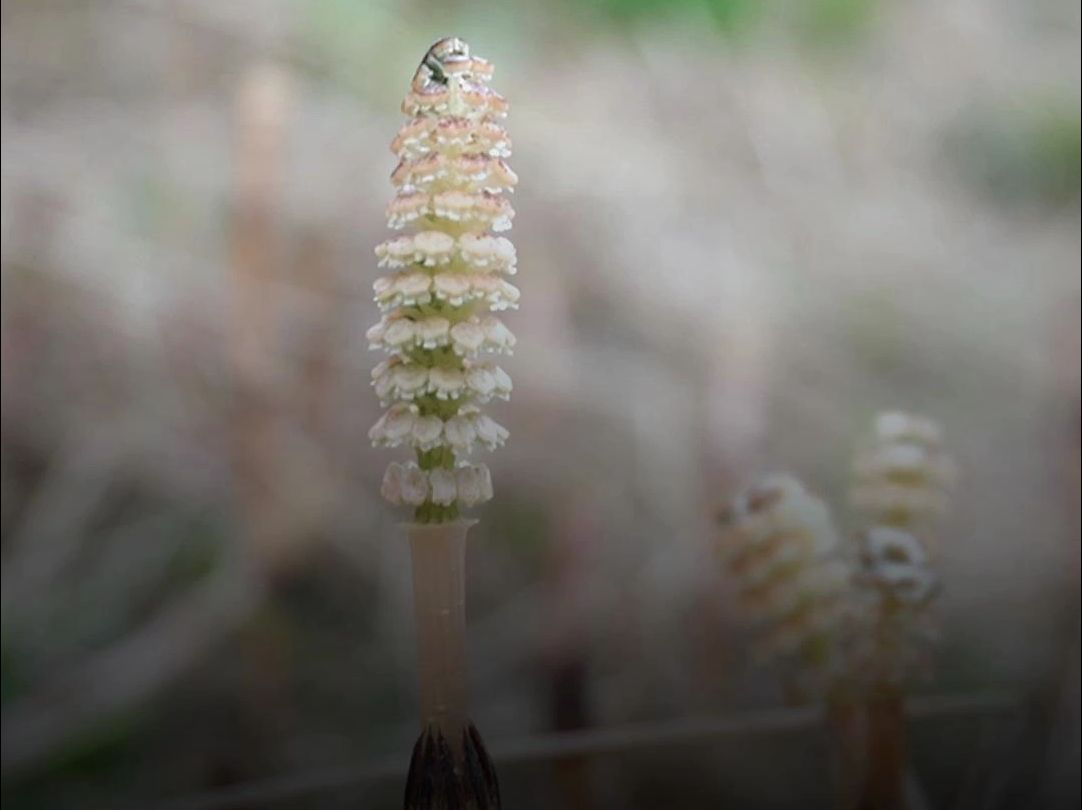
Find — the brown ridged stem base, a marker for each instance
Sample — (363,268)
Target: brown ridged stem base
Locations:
(451,774)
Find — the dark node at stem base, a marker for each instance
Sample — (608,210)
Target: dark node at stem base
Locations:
(440,779)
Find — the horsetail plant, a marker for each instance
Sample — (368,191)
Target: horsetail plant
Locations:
(793,580)
(849,623)
(446,279)
(902,479)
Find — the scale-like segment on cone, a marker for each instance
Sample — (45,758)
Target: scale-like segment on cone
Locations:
(447,278)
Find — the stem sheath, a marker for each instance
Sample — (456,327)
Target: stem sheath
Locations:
(439,597)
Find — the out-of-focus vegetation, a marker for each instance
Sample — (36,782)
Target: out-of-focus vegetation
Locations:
(818,22)
(1025,154)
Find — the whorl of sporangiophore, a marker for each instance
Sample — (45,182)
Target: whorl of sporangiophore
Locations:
(782,553)
(896,624)
(446,277)
(901,475)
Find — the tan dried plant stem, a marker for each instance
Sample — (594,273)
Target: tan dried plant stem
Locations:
(262,112)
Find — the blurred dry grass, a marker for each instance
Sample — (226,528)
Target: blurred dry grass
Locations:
(739,236)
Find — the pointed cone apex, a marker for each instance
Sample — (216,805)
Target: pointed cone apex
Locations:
(440,779)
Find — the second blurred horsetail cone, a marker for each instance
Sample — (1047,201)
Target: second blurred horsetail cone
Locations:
(902,480)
